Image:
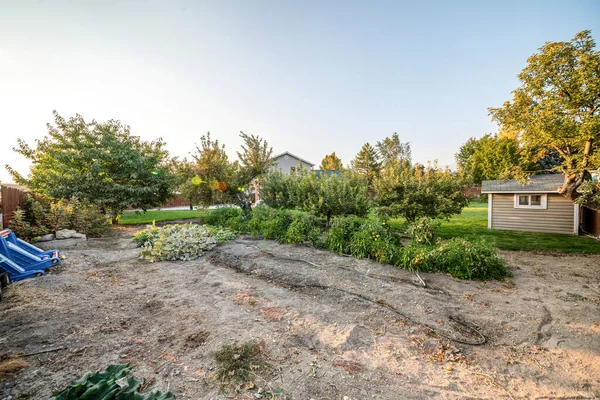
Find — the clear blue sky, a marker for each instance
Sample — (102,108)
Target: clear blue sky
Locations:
(311,77)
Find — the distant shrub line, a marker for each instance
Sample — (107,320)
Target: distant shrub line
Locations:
(369,238)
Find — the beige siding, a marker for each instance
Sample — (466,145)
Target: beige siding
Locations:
(557,218)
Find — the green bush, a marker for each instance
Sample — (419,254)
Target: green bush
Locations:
(38,217)
(323,196)
(237,224)
(460,258)
(422,231)
(304,228)
(374,239)
(220,216)
(110,384)
(259,215)
(416,258)
(220,234)
(341,232)
(464,259)
(147,235)
(176,242)
(276,227)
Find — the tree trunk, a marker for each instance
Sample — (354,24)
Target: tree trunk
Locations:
(569,188)
(115,220)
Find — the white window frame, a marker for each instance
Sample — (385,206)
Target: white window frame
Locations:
(542,206)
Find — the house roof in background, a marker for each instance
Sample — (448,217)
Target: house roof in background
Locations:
(292,155)
(549,183)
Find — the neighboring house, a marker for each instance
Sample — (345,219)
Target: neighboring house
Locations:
(289,163)
(533,207)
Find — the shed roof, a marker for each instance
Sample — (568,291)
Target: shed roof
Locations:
(292,155)
(548,183)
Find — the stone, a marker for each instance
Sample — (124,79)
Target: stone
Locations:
(46,238)
(79,236)
(65,233)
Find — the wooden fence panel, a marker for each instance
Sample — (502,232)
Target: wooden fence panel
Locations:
(12,197)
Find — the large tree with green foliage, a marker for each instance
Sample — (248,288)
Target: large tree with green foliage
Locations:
(367,162)
(489,157)
(557,108)
(100,162)
(221,181)
(331,162)
(420,191)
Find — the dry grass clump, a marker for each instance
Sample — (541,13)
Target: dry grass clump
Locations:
(12,365)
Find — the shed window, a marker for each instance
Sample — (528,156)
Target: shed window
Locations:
(539,201)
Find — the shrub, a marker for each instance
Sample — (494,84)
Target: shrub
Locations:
(374,240)
(147,235)
(459,257)
(20,226)
(259,215)
(220,234)
(38,217)
(420,191)
(237,224)
(110,384)
(422,231)
(177,242)
(304,228)
(464,259)
(277,226)
(220,216)
(341,232)
(323,196)
(417,258)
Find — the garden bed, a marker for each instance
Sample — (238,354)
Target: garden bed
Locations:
(332,326)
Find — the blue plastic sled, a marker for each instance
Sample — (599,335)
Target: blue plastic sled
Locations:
(22,260)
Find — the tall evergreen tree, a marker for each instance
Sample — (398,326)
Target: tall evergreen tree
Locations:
(367,162)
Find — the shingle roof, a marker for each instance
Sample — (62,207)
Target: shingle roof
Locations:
(296,157)
(548,183)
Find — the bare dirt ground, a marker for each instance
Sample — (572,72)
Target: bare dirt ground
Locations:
(333,327)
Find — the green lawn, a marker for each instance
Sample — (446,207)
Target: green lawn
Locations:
(133,218)
(472,224)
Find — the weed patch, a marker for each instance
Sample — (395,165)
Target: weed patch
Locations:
(238,362)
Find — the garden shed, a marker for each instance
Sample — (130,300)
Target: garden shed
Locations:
(534,207)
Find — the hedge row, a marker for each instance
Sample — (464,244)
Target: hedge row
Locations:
(366,238)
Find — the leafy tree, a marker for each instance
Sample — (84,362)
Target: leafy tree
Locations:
(489,157)
(557,107)
(391,149)
(222,181)
(98,162)
(255,157)
(331,162)
(420,191)
(367,162)
(323,196)
(187,181)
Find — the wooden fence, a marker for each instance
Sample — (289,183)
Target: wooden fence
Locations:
(473,191)
(12,196)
